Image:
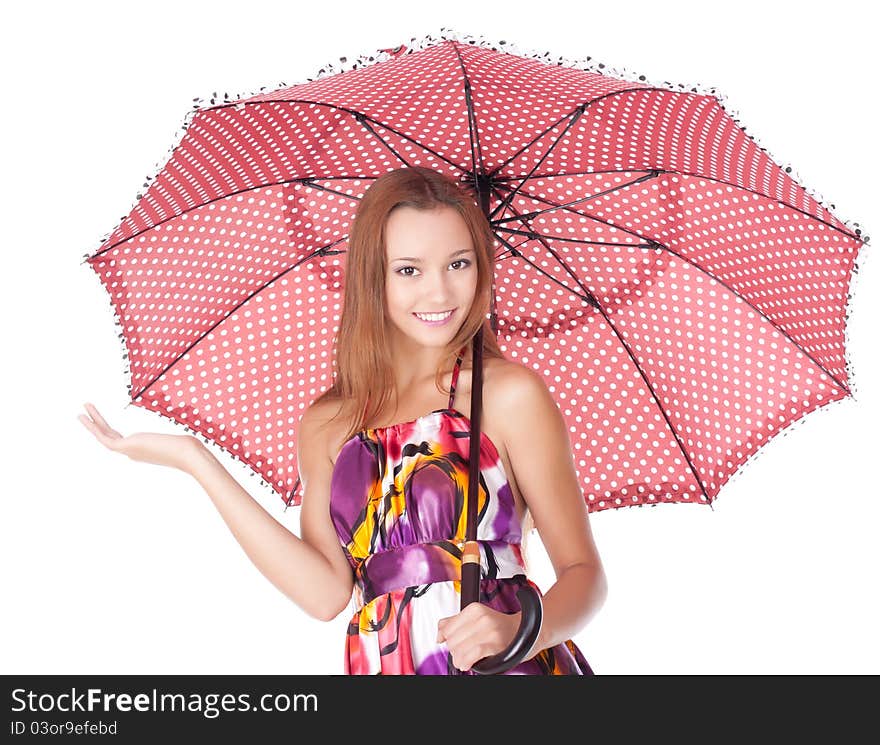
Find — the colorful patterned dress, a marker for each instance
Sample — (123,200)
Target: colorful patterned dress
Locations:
(397,504)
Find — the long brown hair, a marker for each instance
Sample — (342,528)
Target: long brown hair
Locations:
(363,374)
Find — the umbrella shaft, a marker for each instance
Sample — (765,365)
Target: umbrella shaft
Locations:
(470,573)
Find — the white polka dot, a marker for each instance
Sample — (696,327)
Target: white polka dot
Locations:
(721,282)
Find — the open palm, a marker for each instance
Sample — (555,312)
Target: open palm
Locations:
(147,447)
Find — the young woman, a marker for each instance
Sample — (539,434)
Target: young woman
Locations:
(383,512)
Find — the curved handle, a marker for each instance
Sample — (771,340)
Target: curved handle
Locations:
(529,627)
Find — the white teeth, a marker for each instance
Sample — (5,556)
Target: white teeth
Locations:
(433,316)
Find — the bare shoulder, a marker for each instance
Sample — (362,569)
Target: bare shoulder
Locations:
(516,383)
(315,425)
(321,411)
(517,387)
(315,416)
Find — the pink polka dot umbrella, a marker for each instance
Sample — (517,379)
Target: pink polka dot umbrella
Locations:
(684,297)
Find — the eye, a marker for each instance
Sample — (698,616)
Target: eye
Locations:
(466,262)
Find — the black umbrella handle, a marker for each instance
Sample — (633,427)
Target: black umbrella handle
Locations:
(531,606)
(529,627)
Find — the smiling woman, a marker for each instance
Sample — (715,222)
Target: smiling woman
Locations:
(438,295)
(418,283)
(386,488)
(418,244)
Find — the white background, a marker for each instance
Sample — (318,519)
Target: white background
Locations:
(112,566)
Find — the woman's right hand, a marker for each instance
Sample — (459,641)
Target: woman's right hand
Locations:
(175,451)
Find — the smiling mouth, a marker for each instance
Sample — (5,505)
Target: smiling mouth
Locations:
(441,316)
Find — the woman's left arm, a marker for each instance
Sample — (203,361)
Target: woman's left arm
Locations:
(540,454)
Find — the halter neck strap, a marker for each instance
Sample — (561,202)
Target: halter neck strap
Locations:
(455,371)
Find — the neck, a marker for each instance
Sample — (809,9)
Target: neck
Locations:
(415,372)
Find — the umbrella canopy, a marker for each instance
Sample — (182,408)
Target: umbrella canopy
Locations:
(682,295)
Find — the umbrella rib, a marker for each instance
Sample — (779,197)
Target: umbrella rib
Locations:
(575,115)
(656,244)
(360,117)
(647,176)
(658,172)
(310,182)
(757,310)
(322,251)
(532,235)
(363,120)
(289,500)
(596,304)
(571,273)
(582,107)
(472,120)
(589,299)
(659,405)
(304,180)
(406,137)
(652,244)
(579,214)
(524,240)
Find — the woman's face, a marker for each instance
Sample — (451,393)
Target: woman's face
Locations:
(432,268)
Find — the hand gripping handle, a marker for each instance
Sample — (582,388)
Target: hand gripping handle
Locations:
(529,627)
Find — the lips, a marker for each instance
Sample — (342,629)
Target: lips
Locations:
(439,322)
(434,312)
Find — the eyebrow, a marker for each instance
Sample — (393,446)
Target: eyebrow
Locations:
(417,260)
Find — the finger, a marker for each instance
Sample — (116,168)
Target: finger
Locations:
(447,627)
(442,632)
(101,422)
(443,627)
(96,416)
(87,423)
(459,637)
(106,441)
(464,622)
(473,654)
(92,427)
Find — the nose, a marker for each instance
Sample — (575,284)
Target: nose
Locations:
(439,291)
